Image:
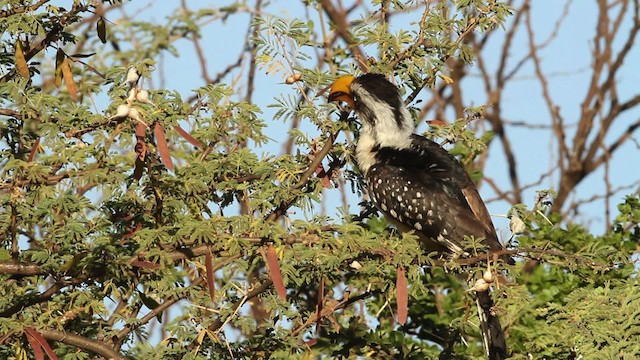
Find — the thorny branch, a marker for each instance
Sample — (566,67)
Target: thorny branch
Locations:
(338,17)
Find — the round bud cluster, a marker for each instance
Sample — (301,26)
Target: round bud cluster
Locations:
(294,78)
(136,94)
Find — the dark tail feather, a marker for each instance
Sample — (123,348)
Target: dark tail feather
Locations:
(492,334)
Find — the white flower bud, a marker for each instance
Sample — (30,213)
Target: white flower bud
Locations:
(516,225)
(480,286)
(488,276)
(135,115)
(121,112)
(132,95)
(132,77)
(143,96)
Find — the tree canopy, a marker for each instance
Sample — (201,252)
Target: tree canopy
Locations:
(139,221)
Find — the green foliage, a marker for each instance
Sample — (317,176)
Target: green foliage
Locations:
(100,238)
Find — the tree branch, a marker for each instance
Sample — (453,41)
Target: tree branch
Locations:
(93,346)
(30,299)
(340,21)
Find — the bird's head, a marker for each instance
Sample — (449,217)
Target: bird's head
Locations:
(379,106)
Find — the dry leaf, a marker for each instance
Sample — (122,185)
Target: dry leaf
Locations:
(21,61)
(141,130)
(311,342)
(446,79)
(42,342)
(324,177)
(68,79)
(188,137)
(210,279)
(38,353)
(274,272)
(163,149)
(138,169)
(145,264)
(133,229)
(436,122)
(402,296)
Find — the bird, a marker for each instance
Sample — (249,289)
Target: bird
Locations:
(418,185)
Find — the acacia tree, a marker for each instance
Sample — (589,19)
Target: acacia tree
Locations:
(142,222)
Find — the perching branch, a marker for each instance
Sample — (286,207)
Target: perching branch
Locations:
(92,346)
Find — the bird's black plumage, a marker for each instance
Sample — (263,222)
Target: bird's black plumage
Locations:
(441,210)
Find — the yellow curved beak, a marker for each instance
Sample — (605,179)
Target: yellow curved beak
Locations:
(341,91)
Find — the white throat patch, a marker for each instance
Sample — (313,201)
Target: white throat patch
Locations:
(382,129)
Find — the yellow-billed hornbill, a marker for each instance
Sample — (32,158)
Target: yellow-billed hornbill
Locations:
(417,184)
